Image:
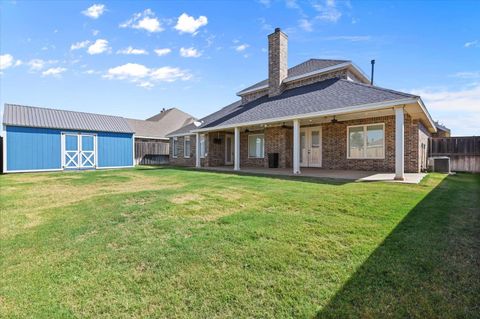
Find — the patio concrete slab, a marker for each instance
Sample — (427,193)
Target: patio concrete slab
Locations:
(351,175)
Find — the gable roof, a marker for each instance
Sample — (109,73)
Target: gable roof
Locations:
(159,125)
(30,116)
(172,113)
(328,95)
(300,70)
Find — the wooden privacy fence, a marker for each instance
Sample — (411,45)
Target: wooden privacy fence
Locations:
(464,152)
(151,153)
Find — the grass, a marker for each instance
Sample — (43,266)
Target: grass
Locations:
(179,243)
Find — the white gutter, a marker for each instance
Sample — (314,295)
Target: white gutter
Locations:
(150,137)
(350,109)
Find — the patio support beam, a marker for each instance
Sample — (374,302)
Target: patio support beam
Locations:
(399,143)
(197,151)
(296,147)
(236,151)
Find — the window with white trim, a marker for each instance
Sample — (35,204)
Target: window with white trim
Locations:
(202,146)
(366,141)
(186,147)
(256,145)
(175,147)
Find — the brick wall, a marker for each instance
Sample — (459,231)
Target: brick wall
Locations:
(180,160)
(334,147)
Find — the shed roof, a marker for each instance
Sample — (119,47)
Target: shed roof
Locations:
(30,116)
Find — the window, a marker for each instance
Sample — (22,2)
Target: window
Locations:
(186,147)
(202,146)
(175,147)
(256,146)
(366,141)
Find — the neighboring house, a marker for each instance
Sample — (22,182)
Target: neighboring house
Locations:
(41,139)
(151,141)
(442,130)
(158,126)
(320,113)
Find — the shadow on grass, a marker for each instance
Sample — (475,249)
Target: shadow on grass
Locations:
(428,267)
(307,179)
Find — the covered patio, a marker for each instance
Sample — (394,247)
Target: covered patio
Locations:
(350,175)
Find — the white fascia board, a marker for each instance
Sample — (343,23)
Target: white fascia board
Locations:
(181,134)
(361,73)
(424,109)
(350,109)
(258,88)
(150,137)
(316,72)
(306,75)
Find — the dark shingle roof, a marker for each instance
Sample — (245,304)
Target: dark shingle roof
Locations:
(328,95)
(29,116)
(302,68)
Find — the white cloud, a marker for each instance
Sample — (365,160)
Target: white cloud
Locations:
(463,100)
(36,64)
(130,50)
(328,11)
(467,75)
(54,71)
(145,20)
(472,44)
(241,47)
(146,77)
(162,52)
(79,45)
(188,24)
(189,53)
(100,46)
(458,109)
(94,11)
(91,72)
(6,61)
(305,25)
(95,32)
(266,3)
(291,4)
(352,38)
(129,70)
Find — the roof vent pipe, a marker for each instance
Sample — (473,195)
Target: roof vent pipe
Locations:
(373,71)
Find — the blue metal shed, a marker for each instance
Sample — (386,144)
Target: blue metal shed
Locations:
(41,139)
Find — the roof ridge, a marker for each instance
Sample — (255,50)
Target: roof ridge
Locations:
(61,110)
(380,88)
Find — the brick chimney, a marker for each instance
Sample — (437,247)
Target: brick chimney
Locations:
(277,61)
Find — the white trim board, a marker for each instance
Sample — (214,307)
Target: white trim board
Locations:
(345,110)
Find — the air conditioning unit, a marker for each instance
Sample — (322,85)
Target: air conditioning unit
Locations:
(439,164)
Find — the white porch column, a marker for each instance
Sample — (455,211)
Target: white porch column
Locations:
(399,144)
(236,150)
(296,147)
(197,151)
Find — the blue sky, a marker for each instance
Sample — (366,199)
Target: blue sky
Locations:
(134,58)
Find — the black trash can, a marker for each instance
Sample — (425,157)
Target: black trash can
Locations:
(272,160)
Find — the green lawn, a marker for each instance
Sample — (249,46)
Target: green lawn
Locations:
(180,243)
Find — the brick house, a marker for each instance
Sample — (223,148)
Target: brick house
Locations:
(320,113)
